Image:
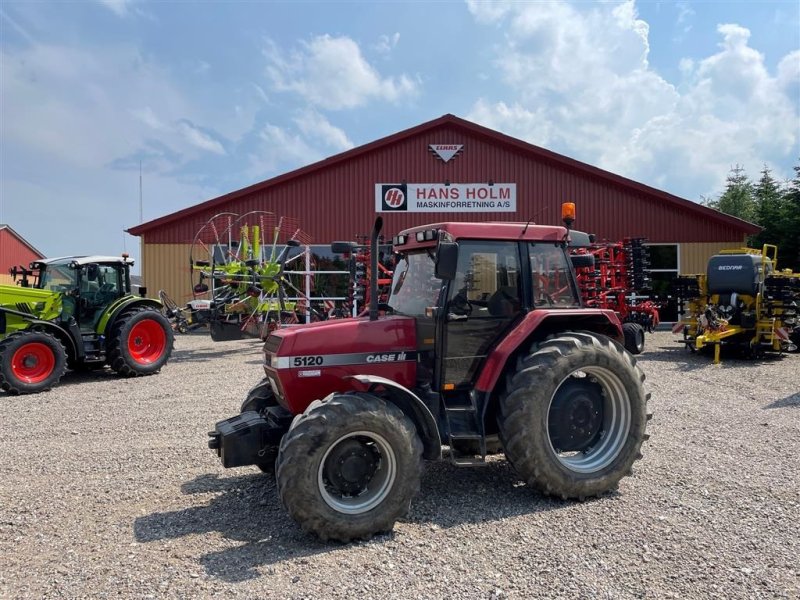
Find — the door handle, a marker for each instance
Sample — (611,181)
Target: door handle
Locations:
(455,317)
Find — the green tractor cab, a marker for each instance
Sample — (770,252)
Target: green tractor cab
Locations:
(77,312)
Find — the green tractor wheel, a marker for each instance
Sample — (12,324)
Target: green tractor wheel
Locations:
(140,342)
(31,362)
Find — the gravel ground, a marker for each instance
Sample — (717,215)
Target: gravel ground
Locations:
(107,489)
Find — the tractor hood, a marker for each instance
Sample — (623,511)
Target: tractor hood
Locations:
(309,362)
(345,336)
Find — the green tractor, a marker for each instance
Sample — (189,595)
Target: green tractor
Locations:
(77,312)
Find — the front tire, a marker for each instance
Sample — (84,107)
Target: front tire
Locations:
(573,416)
(634,337)
(31,362)
(140,342)
(349,466)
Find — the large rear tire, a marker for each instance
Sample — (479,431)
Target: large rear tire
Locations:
(349,466)
(140,342)
(573,416)
(634,337)
(31,362)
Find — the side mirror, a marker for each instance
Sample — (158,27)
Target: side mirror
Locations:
(582,261)
(446,260)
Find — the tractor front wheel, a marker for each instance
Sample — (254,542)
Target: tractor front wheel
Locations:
(634,337)
(349,466)
(31,362)
(573,416)
(140,342)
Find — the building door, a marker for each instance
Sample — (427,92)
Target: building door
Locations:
(664,268)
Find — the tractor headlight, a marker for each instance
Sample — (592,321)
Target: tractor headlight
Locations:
(273,361)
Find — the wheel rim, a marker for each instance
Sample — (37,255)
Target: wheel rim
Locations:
(33,363)
(357,472)
(613,421)
(146,341)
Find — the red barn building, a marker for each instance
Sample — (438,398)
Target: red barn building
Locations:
(450,169)
(15,251)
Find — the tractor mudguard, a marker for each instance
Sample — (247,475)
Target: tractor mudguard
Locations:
(114,309)
(413,407)
(540,324)
(60,331)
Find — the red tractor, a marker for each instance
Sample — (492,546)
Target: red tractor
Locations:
(619,271)
(480,344)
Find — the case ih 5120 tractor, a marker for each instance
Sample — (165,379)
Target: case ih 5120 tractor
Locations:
(79,312)
(483,340)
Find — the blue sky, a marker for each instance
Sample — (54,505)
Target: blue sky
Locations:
(214,96)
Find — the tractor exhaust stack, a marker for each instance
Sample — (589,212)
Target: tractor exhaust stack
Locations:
(373,278)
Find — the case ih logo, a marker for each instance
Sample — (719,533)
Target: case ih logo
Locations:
(394,197)
(445,151)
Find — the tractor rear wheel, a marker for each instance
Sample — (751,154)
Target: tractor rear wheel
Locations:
(30,362)
(349,466)
(573,416)
(634,337)
(140,342)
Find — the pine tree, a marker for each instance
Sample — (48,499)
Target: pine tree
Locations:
(789,246)
(737,199)
(769,200)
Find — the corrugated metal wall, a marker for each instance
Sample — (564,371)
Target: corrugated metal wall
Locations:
(694,257)
(13,252)
(337,202)
(168,269)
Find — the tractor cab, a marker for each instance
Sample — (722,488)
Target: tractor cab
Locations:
(467,286)
(88,284)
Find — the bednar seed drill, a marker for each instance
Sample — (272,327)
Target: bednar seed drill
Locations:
(77,312)
(620,271)
(480,340)
(742,301)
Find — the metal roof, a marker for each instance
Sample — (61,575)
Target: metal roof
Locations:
(452,123)
(85,260)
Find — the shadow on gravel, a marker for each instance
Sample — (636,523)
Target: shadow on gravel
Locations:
(247,509)
(685,360)
(792,401)
(204,355)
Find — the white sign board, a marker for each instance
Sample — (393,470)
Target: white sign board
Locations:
(438,197)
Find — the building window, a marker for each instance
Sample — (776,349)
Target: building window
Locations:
(664,268)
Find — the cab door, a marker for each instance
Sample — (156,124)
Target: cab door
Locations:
(482,301)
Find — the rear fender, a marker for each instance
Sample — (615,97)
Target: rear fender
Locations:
(54,329)
(412,406)
(115,309)
(537,325)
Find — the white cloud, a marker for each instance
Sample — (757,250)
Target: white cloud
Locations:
(582,86)
(199,139)
(332,73)
(386,43)
(121,8)
(278,148)
(316,127)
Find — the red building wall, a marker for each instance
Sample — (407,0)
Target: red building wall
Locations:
(14,252)
(336,200)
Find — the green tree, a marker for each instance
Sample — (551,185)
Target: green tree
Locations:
(769,213)
(789,246)
(737,199)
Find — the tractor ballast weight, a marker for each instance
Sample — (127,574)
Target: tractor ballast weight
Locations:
(483,344)
(741,301)
(77,312)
